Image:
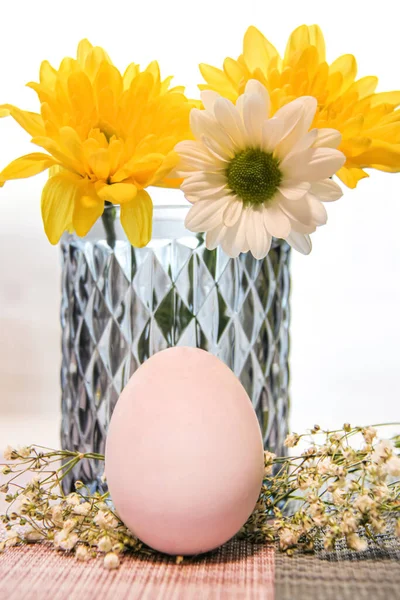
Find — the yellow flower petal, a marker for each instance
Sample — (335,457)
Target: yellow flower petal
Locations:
(58,199)
(91,58)
(88,207)
(136,219)
(59,153)
(346,65)
(71,143)
(108,78)
(117,193)
(303,37)
(31,122)
(257,50)
(48,75)
(169,182)
(218,79)
(26,166)
(131,72)
(99,162)
(169,163)
(234,71)
(380,154)
(392,98)
(351,175)
(139,168)
(154,70)
(81,95)
(84,49)
(365,86)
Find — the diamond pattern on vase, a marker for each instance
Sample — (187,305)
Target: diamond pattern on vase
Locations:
(120,306)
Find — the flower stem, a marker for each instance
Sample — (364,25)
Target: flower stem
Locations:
(108,218)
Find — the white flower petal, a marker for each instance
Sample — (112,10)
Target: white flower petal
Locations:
(313,164)
(234,240)
(306,107)
(297,110)
(326,190)
(255,87)
(272,131)
(190,148)
(275,221)
(239,105)
(258,238)
(300,215)
(217,151)
(300,242)
(330,138)
(204,183)
(229,119)
(309,211)
(305,142)
(208,98)
(290,114)
(192,153)
(209,178)
(192,199)
(245,247)
(294,190)
(206,194)
(203,124)
(193,166)
(232,212)
(254,117)
(205,215)
(318,210)
(300,228)
(310,105)
(202,191)
(214,236)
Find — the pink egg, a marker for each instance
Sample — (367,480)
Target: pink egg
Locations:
(184,454)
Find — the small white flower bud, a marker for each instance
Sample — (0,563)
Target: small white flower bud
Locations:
(33,536)
(82,553)
(392,466)
(356,543)
(104,544)
(292,440)
(73,499)
(111,561)
(82,509)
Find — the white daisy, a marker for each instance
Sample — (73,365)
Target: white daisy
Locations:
(251,177)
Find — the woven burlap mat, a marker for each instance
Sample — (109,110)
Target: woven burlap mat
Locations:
(342,574)
(308,578)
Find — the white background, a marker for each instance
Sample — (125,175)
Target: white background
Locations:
(346,295)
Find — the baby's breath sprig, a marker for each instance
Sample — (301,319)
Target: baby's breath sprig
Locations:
(81,522)
(340,483)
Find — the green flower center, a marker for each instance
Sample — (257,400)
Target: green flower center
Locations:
(254,176)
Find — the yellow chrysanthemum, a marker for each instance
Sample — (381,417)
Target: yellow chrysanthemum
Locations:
(108,136)
(368,122)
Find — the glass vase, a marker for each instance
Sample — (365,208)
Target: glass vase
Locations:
(120,305)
